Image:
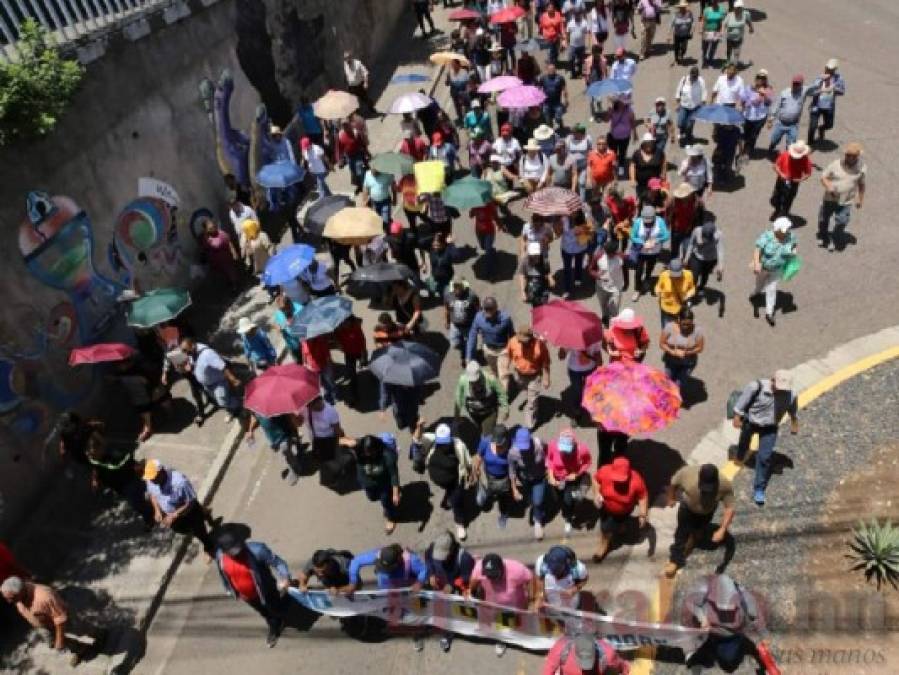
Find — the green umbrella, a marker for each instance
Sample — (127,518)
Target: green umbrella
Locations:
(467,193)
(154,307)
(394,163)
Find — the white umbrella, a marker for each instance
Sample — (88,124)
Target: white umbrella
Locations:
(409,103)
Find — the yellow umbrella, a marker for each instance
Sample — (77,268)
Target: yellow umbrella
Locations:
(353,225)
(445,58)
(430,176)
(335,105)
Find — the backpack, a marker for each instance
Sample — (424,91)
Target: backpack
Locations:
(483,405)
(735,396)
(443,467)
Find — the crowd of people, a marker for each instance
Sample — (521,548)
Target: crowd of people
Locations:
(628,220)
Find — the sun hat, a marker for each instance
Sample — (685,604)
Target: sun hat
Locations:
(683,191)
(762,73)
(621,469)
(782,224)
(543,132)
(676,268)
(473,370)
(853,149)
(442,433)
(694,150)
(708,478)
(627,319)
(783,380)
(534,248)
(443,546)
(648,212)
(522,439)
(832,64)
(798,150)
(532,144)
(152,469)
(244,326)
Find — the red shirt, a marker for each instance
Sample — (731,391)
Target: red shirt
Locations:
(348,144)
(415,148)
(602,166)
(621,210)
(240,576)
(683,215)
(484,218)
(620,503)
(551,26)
(794,169)
(351,338)
(316,353)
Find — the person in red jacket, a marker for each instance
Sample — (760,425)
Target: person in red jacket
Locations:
(584,654)
(617,491)
(793,166)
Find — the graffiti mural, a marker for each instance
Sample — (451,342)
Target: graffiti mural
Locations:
(145,241)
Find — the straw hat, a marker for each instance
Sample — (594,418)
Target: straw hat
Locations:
(798,150)
(532,144)
(543,132)
(683,191)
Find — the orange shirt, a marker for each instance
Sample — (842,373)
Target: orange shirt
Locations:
(530,358)
(551,26)
(602,166)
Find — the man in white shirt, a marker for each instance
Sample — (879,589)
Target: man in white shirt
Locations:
(690,94)
(507,147)
(577,30)
(606,268)
(240,212)
(356,75)
(324,427)
(728,87)
(623,67)
(214,375)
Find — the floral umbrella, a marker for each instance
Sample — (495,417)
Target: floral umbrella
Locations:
(631,398)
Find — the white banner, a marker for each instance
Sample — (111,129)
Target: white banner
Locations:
(151,187)
(528,629)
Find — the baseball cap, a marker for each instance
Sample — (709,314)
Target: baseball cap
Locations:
(579,128)
(783,380)
(522,439)
(647,138)
(676,268)
(492,566)
(585,651)
(152,469)
(476,103)
(557,561)
(648,212)
(798,78)
(832,64)
(853,148)
(443,546)
(782,224)
(389,558)
(621,469)
(708,479)
(473,369)
(442,433)
(500,435)
(661,99)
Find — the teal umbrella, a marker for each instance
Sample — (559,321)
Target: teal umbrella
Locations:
(157,306)
(467,193)
(394,163)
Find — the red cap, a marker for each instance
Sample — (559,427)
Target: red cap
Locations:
(506,128)
(396,227)
(798,79)
(621,469)
(437,138)
(305,143)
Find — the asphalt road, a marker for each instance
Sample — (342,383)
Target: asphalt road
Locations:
(836,297)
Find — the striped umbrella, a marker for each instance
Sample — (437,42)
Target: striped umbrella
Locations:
(554,201)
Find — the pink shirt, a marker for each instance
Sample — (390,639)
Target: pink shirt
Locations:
(511,590)
(563,463)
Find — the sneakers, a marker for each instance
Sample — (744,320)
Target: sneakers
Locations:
(501,521)
(759,497)
(671,569)
(567,527)
(538,531)
(445,643)
(636,296)
(461,533)
(831,247)
(292,477)
(274,634)
(418,644)
(499,648)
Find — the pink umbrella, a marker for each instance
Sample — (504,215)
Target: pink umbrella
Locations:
(281,390)
(524,96)
(508,15)
(104,352)
(463,14)
(500,83)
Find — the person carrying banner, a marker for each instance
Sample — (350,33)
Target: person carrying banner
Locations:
(331,568)
(560,578)
(503,582)
(449,571)
(583,654)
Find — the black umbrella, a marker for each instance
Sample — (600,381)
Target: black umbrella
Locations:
(381,272)
(317,214)
(408,364)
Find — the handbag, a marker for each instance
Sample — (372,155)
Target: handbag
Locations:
(791,268)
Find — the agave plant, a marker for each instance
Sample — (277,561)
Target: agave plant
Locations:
(875,549)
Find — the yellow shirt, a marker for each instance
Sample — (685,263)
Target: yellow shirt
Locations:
(673,293)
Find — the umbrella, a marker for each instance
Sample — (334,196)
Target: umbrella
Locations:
(507,15)
(527,46)
(445,58)
(718,114)
(463,14)
(525,96)
(353,225)
(567,324)
(554,201)
(631,398)
(500,83)
(609,88)
(381,272)
(409,103)
(410,78)
(317,214)
(105,352)
(156,306)
(335,105)
(321,316)
(408,364)
(280,175)
(281,390)
(468,193)
(395,163)
(287,264)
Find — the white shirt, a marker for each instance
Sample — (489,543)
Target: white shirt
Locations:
(552,586)
(321,422)
(208,366)
(727,90)
(495,6)
(354,72)
(577,32)
(598,23)
(623,70)
(509,150)
(313,157)
(534,167)
(246,213)
(691,94)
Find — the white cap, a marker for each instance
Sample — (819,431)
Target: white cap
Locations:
(473,369)
(782,224)
(244,326)
(476,103)
(694,150)
(832,64)
(479,32)
(738,3)
(534,248)
(647,138)
(660,99)
(442,433)
(783,380)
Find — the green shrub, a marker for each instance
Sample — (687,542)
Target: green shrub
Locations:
(36,87)
(875,549)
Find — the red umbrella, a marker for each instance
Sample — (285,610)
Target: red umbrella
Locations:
(104,352)
(554,201)
(567,324)
(281,390)
(463,15)
(507,15)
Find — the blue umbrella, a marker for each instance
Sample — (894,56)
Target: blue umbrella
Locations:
(321,316)
(718,114)
(281,174)
(404,363)
(288,264)
(409,78)
(609,88)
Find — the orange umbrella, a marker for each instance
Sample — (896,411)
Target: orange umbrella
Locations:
(445,58)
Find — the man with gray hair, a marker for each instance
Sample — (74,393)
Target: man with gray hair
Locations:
(43,608)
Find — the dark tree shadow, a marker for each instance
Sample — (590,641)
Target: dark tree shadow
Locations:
(502,269)
(656,462)
(693,392)
(415,504)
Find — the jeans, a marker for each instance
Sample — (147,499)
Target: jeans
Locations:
(840,214)
(709,47)
(576,60)
(530,383)
(678,372)
(321,186)
(677,241)
(384,494)
(649,32)
(767,441)
(578,378)
(685,124)
(486,242)
(193,521)
(224,397)
(733,51)
(553,55)
(645,265)
(553,112)
(666,317)
(572,269)
(779,130)
(814,115)
(701,270)
(680,48)
(538,497)
(766,282)
(458,337)
(329,386)
(570,494)
(784,194)
(688,523)
(619,147)
(751,131)
(383,209)
(356,167)
(609,302)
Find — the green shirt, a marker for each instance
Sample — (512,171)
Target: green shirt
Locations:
(774,253)
(713,18)
(462,390)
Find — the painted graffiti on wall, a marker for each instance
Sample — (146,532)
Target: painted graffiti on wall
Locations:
(146,243)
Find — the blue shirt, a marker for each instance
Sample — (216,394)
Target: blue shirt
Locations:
(209,367)
(311,125)
(174,493)
(481,121)
(496,333)
(257,347)
(378,186)
(418,571)
(496,466)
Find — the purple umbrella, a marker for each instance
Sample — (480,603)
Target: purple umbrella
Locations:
(524,96)
(500,83)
